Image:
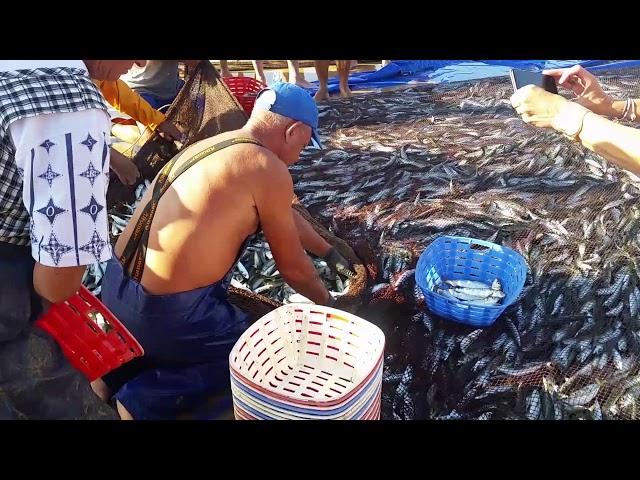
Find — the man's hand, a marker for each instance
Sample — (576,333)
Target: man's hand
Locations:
(543,109)
(169,131)
(125,169)
(586,87)
(339,264)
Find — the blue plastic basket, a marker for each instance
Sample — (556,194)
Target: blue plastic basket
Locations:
(462,258)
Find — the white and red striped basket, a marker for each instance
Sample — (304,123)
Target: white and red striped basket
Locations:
(305,361)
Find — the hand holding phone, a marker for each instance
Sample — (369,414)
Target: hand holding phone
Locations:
(520,78)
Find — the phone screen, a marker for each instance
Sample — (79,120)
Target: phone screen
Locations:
(520,78)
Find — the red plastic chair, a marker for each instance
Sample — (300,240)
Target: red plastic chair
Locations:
(245,89)
(93,349)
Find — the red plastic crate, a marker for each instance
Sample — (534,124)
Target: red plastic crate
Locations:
(89,348)
(245,89)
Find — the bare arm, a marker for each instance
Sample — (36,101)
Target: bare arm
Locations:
(310,239)
(618,143)
(273,197)
(56,284)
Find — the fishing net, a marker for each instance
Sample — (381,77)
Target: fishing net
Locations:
(401,168)
(256,305)
(203,108)
(404,167)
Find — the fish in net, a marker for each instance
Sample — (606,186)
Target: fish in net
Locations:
(401,168)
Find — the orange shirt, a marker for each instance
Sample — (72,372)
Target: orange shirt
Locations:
(127,101)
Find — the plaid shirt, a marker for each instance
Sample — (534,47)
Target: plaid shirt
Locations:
(27,93)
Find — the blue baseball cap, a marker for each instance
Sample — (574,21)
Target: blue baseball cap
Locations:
(291,101)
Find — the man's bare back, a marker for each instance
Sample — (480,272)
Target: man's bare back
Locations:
(205,216)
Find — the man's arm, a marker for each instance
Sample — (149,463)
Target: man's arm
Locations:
(314,243)
(64,158)
(310,239)
(273,194)
(128,101)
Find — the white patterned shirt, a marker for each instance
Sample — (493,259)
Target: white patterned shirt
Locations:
(54,165)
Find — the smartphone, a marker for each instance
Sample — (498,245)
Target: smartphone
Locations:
(520,78)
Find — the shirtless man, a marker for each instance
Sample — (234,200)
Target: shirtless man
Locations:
(169,282)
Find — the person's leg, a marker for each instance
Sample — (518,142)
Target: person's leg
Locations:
(343,73)
(123,412)
(113,381)
(159,103)
(258,66)
(224,69)
(126,133)
(322,71)
(36,380)
(295,75)
(165,393)
(101,390)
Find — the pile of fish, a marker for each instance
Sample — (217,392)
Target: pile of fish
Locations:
(257,271)
(404,167)
(471,292)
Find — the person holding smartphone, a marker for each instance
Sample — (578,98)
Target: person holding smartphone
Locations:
(584,118)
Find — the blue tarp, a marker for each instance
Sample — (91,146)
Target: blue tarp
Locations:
(402,72)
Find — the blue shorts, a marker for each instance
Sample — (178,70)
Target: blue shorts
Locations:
(158,102)
(187,338)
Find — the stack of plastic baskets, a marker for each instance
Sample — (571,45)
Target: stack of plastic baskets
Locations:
(463,258)
(304,361)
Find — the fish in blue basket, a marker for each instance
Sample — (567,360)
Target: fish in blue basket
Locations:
(472,292)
